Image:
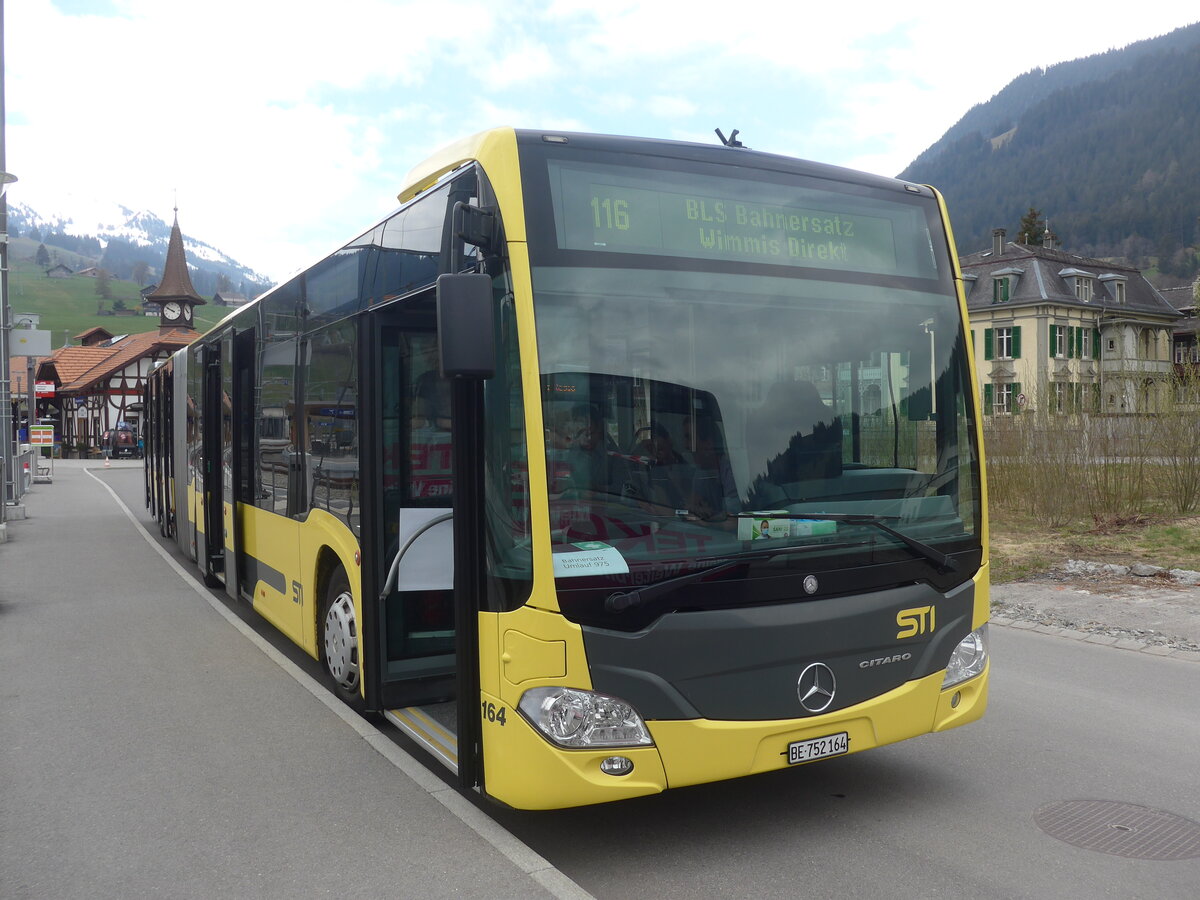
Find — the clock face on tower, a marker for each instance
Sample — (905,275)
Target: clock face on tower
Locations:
(171,310)
(187,313)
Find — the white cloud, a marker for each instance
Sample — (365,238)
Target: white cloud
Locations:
(302,118)
(527,63)
(670,107)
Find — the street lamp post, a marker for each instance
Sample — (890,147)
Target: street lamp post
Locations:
(7,445)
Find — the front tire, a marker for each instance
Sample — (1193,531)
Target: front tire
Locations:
(340,646)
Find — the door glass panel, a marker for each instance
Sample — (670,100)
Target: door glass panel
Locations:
(418,490)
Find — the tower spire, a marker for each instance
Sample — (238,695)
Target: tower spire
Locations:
(175,294)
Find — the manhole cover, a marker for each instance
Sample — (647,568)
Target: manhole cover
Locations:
(1121,829)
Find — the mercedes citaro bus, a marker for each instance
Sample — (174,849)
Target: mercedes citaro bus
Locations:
(606,465)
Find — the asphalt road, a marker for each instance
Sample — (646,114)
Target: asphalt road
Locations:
(149,749)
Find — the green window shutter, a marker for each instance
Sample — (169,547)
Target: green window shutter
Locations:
(987,399)
(1071,352)
(1016,342)
(988,348)
(1053,341)
(1014,406)
(1078,343)
(1095,343)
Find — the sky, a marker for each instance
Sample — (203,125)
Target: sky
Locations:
(281,130)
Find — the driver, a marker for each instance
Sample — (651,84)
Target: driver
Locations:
(590,455)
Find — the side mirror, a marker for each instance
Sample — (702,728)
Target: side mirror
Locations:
(466,330)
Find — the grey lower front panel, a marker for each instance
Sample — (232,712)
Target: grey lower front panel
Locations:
(744,663)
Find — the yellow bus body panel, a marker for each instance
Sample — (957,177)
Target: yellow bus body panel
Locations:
(272,540)
(524,770)
(985,527)
(530,648)
(496,151)
(700,751)
(318,532)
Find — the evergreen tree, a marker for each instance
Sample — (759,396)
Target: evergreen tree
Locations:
(42,256)
(1032,230)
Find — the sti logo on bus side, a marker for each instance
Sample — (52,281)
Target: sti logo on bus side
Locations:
(915,621)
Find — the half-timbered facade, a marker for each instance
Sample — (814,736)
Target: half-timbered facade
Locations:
(99,384)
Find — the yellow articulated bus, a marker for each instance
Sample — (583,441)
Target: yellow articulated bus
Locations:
(606,465)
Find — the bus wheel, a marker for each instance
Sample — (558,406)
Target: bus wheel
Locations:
(339,638)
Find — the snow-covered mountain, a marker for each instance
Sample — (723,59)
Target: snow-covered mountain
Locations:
(128,243)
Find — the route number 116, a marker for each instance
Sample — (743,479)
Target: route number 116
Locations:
(609,213)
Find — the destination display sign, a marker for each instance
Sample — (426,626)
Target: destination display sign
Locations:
(621,209)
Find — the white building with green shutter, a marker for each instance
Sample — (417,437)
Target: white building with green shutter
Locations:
(1064,333)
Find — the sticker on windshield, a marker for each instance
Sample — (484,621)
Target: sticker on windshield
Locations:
(775,523)
(589,558)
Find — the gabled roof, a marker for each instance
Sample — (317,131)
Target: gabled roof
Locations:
(1182,298)
(95,335)
(1043,277)
(66,364)
(176,283)
(76,369)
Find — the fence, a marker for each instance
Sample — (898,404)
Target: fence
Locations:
(1062,468)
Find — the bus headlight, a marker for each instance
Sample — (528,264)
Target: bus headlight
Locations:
(574,718)
(968,659)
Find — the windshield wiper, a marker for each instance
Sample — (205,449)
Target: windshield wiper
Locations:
(943,562)
(622,600)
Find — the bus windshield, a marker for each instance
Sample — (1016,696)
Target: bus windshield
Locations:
(746,365)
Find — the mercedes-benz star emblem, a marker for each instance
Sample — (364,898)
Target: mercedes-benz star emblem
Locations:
(816,687)
(810,584)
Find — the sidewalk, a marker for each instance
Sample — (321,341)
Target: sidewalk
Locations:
(149,748)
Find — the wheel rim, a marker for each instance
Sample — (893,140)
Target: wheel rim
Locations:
(341,641)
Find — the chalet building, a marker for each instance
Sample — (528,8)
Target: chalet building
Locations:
(229,298)
(150,309)
(1186,342)
(98,384)
(59,271)
(1065,333)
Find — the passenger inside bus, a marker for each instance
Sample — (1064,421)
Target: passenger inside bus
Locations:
(668,477)
(588,458)
(714,490)
(431,400)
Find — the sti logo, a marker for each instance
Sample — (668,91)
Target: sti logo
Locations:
(915,621)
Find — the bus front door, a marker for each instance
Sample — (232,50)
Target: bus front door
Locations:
(413,539)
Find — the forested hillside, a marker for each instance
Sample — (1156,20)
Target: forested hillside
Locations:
(1107,148)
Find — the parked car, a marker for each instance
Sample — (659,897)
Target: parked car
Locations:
(120,442)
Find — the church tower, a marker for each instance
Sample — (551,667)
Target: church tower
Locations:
(175,295)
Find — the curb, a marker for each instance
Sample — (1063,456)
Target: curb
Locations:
(1103,639)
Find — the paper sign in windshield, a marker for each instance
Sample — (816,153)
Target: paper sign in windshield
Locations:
(589,558)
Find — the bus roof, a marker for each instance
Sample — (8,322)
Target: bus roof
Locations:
(427,173)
